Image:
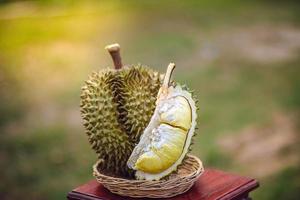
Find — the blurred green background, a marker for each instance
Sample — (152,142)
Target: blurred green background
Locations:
(242,58)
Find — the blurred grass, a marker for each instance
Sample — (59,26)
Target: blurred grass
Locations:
(284,185)
(48,48)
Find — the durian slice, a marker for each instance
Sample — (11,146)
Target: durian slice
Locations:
(166,140)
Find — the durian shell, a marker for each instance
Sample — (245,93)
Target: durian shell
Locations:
(116,106)
(139,91)
(146,137)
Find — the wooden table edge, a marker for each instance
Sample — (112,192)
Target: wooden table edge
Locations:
(78,195)
(243,189)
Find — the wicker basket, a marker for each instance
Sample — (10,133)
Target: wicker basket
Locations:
(177,183)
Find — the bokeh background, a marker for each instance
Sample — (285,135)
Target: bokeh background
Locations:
(241,57)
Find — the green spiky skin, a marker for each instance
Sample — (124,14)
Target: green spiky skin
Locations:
(140,91)
(116,106)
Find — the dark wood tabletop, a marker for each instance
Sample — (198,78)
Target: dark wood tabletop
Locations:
(212,184)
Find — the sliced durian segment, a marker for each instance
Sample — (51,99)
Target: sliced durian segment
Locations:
(176,112)
(164,149)
(166,140)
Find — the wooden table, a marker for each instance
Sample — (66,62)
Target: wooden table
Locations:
(212,184)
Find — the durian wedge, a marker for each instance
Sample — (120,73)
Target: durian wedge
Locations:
(167,138)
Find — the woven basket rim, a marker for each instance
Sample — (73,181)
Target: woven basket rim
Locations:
(179,182)
(98,173)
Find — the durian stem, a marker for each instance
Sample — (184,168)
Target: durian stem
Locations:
(114,50)
(168,75)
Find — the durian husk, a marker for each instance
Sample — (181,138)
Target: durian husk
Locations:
(140,88)
(116,106)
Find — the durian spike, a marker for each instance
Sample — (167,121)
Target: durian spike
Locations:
(114,50)
(163,91)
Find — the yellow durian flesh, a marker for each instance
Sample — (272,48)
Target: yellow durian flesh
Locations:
(166,140)
(176,112)
(164,150)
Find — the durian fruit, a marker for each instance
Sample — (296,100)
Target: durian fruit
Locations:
(100,119)
(116,106)
(167,138)
(139,91)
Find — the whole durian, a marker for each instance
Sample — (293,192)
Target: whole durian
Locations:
(167,138)
(116,106)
